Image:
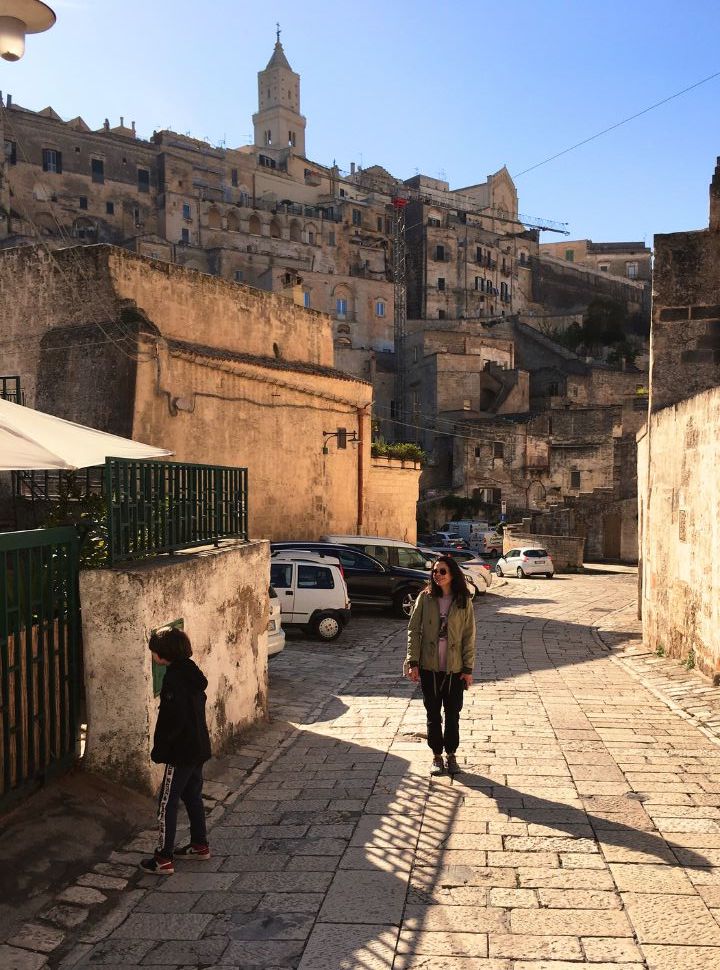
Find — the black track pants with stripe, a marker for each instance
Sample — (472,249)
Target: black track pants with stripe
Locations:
(180,782)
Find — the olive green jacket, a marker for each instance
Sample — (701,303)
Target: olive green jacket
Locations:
(423,631)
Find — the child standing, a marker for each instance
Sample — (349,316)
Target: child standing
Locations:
(182,744)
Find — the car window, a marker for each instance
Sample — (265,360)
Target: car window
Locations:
(379,552)
(535,553)
(315,577)
(281,575)
(351,560)
(411,558)
(512,553)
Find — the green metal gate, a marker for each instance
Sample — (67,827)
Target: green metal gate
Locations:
(39,657)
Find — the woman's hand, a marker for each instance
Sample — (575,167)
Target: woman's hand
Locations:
(468,678)
(413,674)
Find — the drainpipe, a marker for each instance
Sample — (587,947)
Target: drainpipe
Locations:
(361,419)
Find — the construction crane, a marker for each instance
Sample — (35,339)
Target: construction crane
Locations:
(399,203)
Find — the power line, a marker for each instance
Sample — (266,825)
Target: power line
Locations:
(618,124)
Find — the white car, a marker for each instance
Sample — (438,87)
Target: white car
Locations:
(478,572)
(526,561)
(312,591)
(275,634)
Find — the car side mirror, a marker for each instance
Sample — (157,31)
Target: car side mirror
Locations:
(428,563)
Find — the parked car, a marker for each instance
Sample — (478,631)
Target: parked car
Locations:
(312,592)
(489,543)
(369,581)
(392,552)
(479,572)
(449,539)
(275,634)
(526,561)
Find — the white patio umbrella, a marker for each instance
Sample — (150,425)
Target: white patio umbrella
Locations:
(31,440)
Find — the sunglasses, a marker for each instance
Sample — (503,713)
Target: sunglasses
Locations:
(441,572)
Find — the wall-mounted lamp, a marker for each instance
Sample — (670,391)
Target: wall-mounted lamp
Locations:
(18,18)
(342,438)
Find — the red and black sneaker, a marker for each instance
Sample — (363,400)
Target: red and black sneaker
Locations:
(195,850)
(157,866)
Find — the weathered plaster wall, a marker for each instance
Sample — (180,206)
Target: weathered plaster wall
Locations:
(566,551)
(392,494)
(680,530)
(219,409)
(221,595)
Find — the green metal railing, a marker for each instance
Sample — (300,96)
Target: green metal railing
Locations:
(155,506)
(39,656)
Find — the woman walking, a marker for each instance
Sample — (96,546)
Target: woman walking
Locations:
(441,655)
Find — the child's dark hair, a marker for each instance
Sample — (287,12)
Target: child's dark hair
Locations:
(171,644)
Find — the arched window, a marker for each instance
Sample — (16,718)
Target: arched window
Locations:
(342,303)
(295,231)
(254,226)
(275,232)
(214,219)
(233,221)
(311,233)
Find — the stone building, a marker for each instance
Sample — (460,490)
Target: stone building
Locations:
(218,373)
(679,450)
(630,260)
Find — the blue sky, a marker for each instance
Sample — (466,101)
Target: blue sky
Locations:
(453,89)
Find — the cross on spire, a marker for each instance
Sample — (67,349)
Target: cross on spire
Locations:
(277,32)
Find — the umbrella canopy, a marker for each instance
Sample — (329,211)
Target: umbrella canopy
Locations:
(30,440)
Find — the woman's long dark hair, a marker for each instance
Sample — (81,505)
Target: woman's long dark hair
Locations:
(458,587)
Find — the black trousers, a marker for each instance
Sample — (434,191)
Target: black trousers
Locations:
(442,694)
(180,782)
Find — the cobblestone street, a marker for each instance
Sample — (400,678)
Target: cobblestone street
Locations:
(584,829)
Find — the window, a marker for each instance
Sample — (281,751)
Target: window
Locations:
(268,136)
(604,268)
(110,208)
(266,162)
(632,270)
(97,169)
(415,354)
(379,308)
(239,276)
(410,558)
(143,180)
(570,255)
(83,202)
(331,238)
(187,214)
(478,255)
(574,479)
(315,577)
(440,254)
(504,292)
(280,575)
(343,193)
(433,221)
(478,283)
(136,216)
(306,299)
(52,160)
(441,282)
(234,176)
(184,235)
(553,389)
(441,315)
(498,449)
(379,224)
(10,152)
(477,451)
(356,217)
(341,307)
(291,138)
(536,553)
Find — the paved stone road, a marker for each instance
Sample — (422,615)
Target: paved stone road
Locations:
(584,830)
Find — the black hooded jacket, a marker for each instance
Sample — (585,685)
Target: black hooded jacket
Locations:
(181,734)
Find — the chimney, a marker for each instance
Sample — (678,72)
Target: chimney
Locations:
(106,124)
(132,124)
(9,100)
(122,121)
(352,168)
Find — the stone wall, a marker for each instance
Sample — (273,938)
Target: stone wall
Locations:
(678,459)
(392,494)
(221,596)
(567,287)
(567,552)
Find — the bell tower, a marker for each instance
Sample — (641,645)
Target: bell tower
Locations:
(278,122)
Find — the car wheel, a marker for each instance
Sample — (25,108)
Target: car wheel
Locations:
(549,575)
(327,627)
(404,602)
(520,573)
(498,570)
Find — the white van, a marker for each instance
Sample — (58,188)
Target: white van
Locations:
(312,592)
